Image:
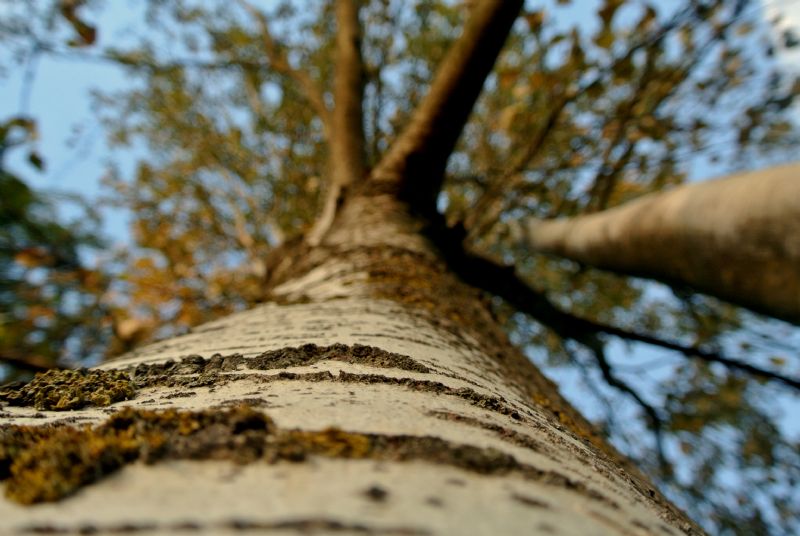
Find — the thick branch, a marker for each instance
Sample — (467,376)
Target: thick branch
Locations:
(736,238)
(416,161)
(347,143)
(503,281)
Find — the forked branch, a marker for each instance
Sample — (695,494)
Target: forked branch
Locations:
(415,162)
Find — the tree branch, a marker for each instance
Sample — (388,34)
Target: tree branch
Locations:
(489,205)
(347,143)
(656,422)
(415,162)
(134,62)
(690,351)
(503,281)
(606,179)
(733,238)
(280,63)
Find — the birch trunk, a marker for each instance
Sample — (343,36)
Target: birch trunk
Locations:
(397,406)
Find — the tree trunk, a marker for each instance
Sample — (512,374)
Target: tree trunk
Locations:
(395,405)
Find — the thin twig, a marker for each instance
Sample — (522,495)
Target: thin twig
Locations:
(656,422)
(280,62)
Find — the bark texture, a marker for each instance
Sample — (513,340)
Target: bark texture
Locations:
(736,238)
(375,395)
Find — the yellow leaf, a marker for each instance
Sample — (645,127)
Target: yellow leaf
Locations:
(605,39)
(32,257)
(507,116)
(507,77)
(535,19)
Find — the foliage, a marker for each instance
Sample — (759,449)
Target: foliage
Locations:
(51,301)
(582,112)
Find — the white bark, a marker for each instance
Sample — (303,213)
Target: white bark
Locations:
(558,483)
(737,238)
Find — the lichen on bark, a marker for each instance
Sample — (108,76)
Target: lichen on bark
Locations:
(63,390)
(48,464)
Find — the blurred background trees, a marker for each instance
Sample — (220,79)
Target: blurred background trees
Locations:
(592,103)
(51,301)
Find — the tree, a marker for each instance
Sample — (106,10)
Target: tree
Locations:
(382,236)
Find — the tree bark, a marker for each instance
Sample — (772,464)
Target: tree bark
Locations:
(397,406)
(736,238)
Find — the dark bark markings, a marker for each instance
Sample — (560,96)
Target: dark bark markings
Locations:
(300,526)
(48,465)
